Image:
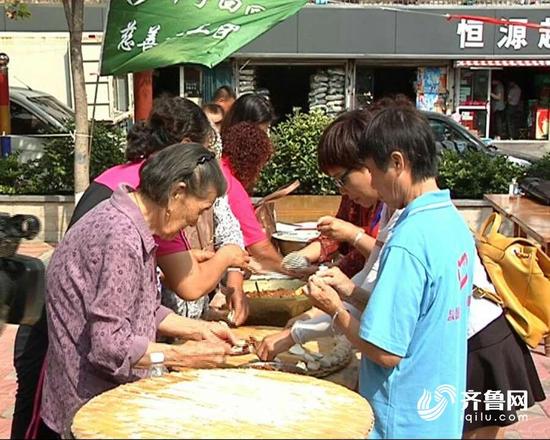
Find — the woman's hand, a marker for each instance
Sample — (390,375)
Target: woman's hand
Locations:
(323,296)
(236,257)
(337,229)
(201,255)
(272,345)
(339,281)
(219,331)
(237,302)
(198,354)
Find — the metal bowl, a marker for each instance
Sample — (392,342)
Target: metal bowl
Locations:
(288,242)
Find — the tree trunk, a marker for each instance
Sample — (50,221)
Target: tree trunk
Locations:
(74,12)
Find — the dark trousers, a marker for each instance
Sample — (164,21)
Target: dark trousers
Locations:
(31,345)
(513,113)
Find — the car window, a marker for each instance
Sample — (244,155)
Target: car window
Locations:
(444,132)
(449,138)
(53,107)
(24,122)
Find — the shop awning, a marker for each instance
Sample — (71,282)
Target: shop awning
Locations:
(502,63)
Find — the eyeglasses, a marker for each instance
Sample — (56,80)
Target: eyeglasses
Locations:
(341,181)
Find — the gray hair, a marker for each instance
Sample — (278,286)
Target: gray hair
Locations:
(191,164)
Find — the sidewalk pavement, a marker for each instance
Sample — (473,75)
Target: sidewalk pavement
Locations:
(535,425)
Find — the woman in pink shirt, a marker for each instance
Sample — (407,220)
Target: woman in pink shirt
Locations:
(246,150)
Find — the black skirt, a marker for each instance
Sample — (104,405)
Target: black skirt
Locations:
(502,377)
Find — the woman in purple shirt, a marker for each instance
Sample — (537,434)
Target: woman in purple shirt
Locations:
(102,300)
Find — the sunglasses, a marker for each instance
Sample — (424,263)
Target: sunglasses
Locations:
(341,181)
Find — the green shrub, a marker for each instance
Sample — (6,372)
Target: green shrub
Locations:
(53,173)
(540,168)
(471,174)
(295,157)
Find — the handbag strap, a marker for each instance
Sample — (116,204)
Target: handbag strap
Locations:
(491,225)
(279,193)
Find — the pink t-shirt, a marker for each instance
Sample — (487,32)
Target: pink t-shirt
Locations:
(128,173)
(242,208)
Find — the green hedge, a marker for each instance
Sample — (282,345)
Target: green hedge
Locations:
(295,157)
(468,175)
(471,174)
(541,168)
(53,173)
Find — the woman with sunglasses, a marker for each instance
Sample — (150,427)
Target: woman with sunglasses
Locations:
(351,232)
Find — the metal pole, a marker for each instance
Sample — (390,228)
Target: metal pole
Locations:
(5,120)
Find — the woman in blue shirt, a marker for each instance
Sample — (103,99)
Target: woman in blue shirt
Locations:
(413,332)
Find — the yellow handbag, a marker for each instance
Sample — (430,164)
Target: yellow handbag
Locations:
(520,272)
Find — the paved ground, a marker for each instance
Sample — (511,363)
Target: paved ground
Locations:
(524,149)
(535,425)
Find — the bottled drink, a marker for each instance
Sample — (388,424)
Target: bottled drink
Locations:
(157,368)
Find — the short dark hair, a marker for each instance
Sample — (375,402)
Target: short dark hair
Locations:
(250,107)
(223,93)
(213,108)
(339,143)
(403,129)
(171,120)
(189,163)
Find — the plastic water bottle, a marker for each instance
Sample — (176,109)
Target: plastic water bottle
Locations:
(157,368)
(513,189)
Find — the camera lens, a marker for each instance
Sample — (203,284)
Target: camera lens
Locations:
(27,226)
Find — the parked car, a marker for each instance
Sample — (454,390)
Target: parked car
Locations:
(36,117)
(450,135)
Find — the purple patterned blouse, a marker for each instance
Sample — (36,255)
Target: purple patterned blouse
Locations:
(103,307)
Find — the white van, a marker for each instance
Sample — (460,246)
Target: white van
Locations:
(36,117)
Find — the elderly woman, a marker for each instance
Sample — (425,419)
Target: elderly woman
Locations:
(190,274)
(101,292)
(413,332)
(246,150)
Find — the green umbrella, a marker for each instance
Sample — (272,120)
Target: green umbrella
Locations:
(147,34)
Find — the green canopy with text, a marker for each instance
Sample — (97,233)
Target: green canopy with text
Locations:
(147,34)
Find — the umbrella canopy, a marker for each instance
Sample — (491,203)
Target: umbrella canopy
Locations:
(147,34)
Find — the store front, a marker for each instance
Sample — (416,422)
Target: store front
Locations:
(308,85)
(426,84)
(505,99)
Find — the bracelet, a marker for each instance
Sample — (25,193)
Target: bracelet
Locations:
(358,237)
(334,317)
(235,269)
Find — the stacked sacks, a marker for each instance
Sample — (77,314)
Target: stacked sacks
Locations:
(247,81)
(327,91)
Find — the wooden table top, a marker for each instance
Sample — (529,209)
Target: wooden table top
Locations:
(532,217)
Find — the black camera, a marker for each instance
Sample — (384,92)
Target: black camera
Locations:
(21,277)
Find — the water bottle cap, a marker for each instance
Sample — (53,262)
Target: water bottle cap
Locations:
(157,357)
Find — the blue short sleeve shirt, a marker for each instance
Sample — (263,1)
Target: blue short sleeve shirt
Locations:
(419,311)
